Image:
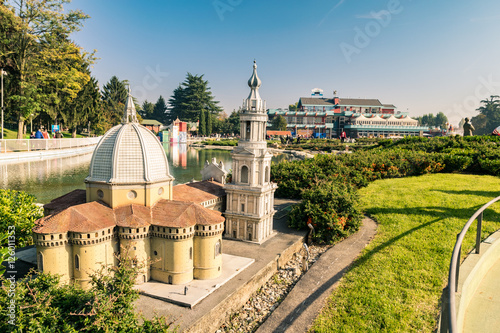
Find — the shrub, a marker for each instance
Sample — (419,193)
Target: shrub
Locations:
(44,305)
(331,207)
(18,208)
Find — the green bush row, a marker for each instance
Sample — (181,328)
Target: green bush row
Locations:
(309,179)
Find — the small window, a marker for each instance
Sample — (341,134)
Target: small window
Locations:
(191,253)
(77,262)
(40,261)
(155,253)
(242,208)
(244,174)
(218,249)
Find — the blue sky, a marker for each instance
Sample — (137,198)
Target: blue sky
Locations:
(422,56)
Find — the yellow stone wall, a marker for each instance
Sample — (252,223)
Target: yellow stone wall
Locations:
(56,260)
(116,196)
(138,243)
(208,263)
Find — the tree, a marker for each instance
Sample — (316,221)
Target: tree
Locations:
(491,112)
(85,108)
(202,127)
(147,110)
(192,96)
(159,110)
(114,95)
(44,305)
(440,120)
(279,123)
(234,122)
(293,107)
(209,123)
(28,25)
(18,209)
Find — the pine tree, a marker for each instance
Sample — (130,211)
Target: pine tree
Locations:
(209,124)
(192,96)
(159,110)
(202,126)
(114,95)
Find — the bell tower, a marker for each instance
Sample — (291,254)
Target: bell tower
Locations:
(250,195)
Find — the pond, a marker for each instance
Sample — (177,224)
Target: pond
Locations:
(49,179)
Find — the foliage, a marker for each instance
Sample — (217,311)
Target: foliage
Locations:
(279,123)
(114,96)
(430,120)
(203,124)
(159,110)
(147,110)
(38,56)
(5,252)
(396,283)
(489,117)
(44,305)
(331,207)
(192,96)
(293,107)
(226,142)
(410,156)
(18,209)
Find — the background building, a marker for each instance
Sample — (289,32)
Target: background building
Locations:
(326,118)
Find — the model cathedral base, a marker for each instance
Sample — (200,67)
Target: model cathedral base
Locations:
(130,202)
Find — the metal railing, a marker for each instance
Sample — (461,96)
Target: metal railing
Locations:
(26,145)
(449,315)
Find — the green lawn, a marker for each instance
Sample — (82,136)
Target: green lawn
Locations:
(396,284)
(10,134)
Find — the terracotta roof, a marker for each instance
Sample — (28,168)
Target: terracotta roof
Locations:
(72,198)
(87,217)
(198,192)
(94,216)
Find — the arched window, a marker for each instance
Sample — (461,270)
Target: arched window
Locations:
(40,261)
(244,174)
(191,253)
(218,249)
(77,262)
(267,174)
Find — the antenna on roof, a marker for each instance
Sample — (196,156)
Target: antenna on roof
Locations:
(335,93)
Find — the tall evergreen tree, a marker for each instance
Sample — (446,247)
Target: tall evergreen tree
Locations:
(192,96)
(147,110)
(114,95)
(159,110)
(202,125)
(209,123)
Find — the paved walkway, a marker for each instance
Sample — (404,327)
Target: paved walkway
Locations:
(482,314)
(303,303)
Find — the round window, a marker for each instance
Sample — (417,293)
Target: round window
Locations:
(160,191)
(100,194)
(132,195)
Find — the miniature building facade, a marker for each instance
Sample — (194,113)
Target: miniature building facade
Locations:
(250,196)
(128,203)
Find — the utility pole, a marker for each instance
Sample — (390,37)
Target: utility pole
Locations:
(1,70)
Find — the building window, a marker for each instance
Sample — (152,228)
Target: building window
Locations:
(191,253)
(218,249)
(267,174)
(242,208)
(244,174)
(247,131)
(77,262)
(40,262)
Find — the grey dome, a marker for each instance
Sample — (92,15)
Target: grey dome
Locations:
(129,153)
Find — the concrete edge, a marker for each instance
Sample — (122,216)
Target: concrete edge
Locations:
(213,319)
(472,271)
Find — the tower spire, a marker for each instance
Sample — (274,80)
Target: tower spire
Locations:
(254,102)
(129,114)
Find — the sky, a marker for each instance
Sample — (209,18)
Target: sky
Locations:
(422,56)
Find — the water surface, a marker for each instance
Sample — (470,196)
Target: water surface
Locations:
(49,179)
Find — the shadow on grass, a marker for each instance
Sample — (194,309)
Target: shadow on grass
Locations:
(487,194)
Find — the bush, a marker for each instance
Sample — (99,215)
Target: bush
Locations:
(43,305)
(18,208)
(331,207)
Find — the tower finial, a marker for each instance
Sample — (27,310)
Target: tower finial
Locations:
(129,114)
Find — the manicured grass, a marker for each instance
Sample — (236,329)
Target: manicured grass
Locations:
(396,284)
(10,134)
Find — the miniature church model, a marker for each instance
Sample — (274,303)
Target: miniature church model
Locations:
(250,196)
(128,201)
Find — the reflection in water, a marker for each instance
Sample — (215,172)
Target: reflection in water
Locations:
(49,179)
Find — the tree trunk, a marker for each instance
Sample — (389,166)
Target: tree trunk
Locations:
(20,128)
(73,133)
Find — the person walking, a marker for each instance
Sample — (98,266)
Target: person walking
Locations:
(343,136)
(39,134)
